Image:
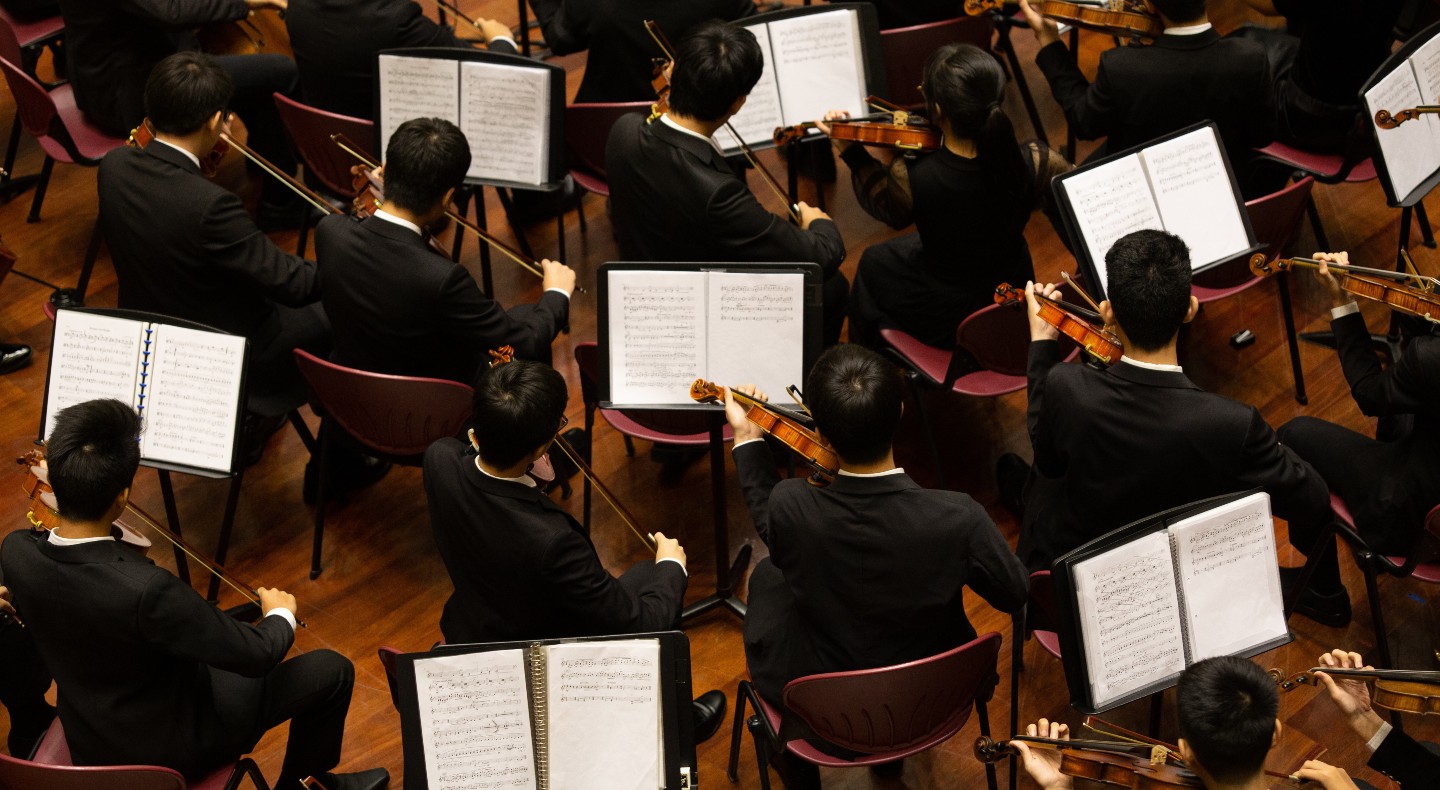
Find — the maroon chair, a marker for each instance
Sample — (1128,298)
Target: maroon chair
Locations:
(22,43)
(905,50)
(391,417)
(51,769)
(587,128)
(886,714)
(1352,167)
(310,129)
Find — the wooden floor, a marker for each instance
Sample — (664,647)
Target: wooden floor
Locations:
(384,583)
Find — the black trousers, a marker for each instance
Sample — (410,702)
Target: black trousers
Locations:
(23,683)
(275,384)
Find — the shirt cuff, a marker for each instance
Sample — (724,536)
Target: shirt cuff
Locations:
(285,614)
(564,292)
(738,445)
(1343,310)
(677,562)
(1379,736)
(506,39)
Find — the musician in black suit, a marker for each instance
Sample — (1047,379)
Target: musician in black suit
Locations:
(23,682)
(184,246)
(1388,485)
(673,197)
(335,42)
(1189,74)
(399,307)
(1125,442)
(148,672)
(1393,753)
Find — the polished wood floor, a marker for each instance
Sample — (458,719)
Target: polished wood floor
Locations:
(384,584)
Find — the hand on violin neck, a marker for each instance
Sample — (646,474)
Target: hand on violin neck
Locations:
(1350,695)
(1043,765)
(1327,278)
(668,549)
(1046,30)
(834,115)
(1040,329)
(736,411)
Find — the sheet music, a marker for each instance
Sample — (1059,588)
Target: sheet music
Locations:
(505,114)
(1130,617)
(818,65)
(193,397)
(1426,63)
(1412,149)
(416,88)
(475,721)
(603,709)
(657,335)
(1109,202)
(1230,577)
(757,311)
(761,113)
(1197,202)
(94,356)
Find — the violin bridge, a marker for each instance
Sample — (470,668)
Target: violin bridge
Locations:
(1158,755)
(902,117)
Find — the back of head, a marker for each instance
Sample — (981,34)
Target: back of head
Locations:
(854,394)
(967,85)
(92,455)
(1181,12)
(424,159)
(518,407)
(184,91)
(715,64)
(1227,708)
(1147,279)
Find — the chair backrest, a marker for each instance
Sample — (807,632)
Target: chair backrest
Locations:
(38,113)
(51,769)
(998,337)
(674,422)
(899,707)
(906,49)
(9,41)
(587,127)
(397,416)
(310,129)
(1276,219)
(1040,610)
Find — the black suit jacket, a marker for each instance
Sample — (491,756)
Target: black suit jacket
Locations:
(335,42)
(1405,760)
(130,646)
(1141,93)
(673,197)
(1112,446)
(397,307)
(874,567)
(112,45)
(523,568)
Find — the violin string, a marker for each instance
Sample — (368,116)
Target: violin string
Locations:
(604,493)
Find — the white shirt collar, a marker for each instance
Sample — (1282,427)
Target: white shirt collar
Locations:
(188,155)
(1151,365)
(666,119)
(56,539)
(522,479)
(381,213)
(1188,30)
(899,470)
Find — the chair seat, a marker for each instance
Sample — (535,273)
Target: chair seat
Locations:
(1048,640)
(1319,164)
(91,141)
(37,31)
(933,363)
(591,183)
(1341,511)
(622,423)
(809,753)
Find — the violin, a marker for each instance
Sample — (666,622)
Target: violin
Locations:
(1124,18)
(1134,765)
(788,430)
(903,130)
(1414,294)
(1073,321)
(1405,691)
(43,513)
(1386,120)
(142,135)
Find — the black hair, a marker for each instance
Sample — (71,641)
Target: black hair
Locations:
(715,64)
(967,85)
(424,158)
(1181,12)
(1226,706)
(184,91)
(1147,278)
(854,395)
(92,454)
(518,407)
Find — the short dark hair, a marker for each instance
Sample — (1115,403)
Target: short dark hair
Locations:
(517,408)
(854,395)
(715,64)
(184,91)
(424,158)
(1226,706)
(92,454)
(1147,279)
(1181,11)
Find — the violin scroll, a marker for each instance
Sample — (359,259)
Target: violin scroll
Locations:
(990,751)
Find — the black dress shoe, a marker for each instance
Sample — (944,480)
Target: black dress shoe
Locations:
(1332,609)
(14,356)
(709,713)
(1011,472)
(373,779)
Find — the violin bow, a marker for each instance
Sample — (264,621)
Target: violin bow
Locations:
(457,12)
(1070,281)
(307,194)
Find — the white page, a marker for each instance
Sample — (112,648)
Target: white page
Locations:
(1411,150)
(1196,200)
(505,114)
(94,356)
(601,708)
(757,120)
(818,65)
(1109,202)
(756,310)
(1426,63)
(657,335)
(1230,577)
(192,400)
(475,721)
(417,88)
(1130,617)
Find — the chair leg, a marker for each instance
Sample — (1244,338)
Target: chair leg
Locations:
(1313,212)
(12,149)
(40,189)
(762,753)
(321,473)
(1291,341)
(629,447)
(1017,663)
(732,770)
(982,712)
(580,210)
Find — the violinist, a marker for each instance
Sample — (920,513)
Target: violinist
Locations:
(185,247)
(673,196)
(927,282)
(396,305)
(1393,753)
(521,566)
(1137,438)
(148,672)
(870,570)
(1389,482)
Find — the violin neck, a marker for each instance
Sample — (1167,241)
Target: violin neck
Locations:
(1118,747)
(1311,263)
(1402,675)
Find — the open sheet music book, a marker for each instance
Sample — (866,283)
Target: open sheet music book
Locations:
(1195,584)
(1411,151)
(503,108)
(814,63)
(186,383)
(1181,184)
